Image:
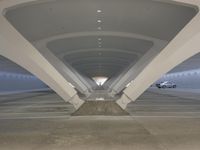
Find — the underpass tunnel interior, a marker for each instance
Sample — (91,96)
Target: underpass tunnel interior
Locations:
(96,74)
(99,42)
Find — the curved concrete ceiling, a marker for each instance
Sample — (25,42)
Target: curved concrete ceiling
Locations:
(92,42)
(101,46)
(114,50)
(43,19)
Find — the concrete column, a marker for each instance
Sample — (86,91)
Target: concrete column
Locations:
(68,72)
(183,46)
(16,48)
(132,72)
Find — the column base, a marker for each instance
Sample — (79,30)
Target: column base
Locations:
(76,101)
(123,101)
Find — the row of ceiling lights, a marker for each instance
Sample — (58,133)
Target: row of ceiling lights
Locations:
(16,75)
(183,73)
(99,40)
(99,21)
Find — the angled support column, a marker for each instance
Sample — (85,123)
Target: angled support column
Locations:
(183,46)
(132,72)
(68,73)
(14,47)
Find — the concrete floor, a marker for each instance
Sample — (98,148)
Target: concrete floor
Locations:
(42,121)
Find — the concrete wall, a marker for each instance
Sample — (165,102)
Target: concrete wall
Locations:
(187,79)
(15,83)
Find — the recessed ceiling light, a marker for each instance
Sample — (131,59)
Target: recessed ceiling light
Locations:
(71,85)
(99,45)
(100,98)
(99,21)
(99,39)
(99,28)
(99,10)
(100,80)
(99,42)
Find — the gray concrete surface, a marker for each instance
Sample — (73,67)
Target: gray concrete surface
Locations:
(178,92)
(42,121)
(166,102)
(34,105)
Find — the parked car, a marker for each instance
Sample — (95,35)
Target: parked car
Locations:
(166,84)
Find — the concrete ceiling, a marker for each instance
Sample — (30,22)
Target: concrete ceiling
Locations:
(85,55)
(91,35)
(47,18)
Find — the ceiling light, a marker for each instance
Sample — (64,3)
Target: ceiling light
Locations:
(99,21)
(99,28)
(128,84)
(99,45)
(99,39)
(71,85)
(100,98)
(99,11)
(100,80)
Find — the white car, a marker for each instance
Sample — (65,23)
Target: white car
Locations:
(166,84)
